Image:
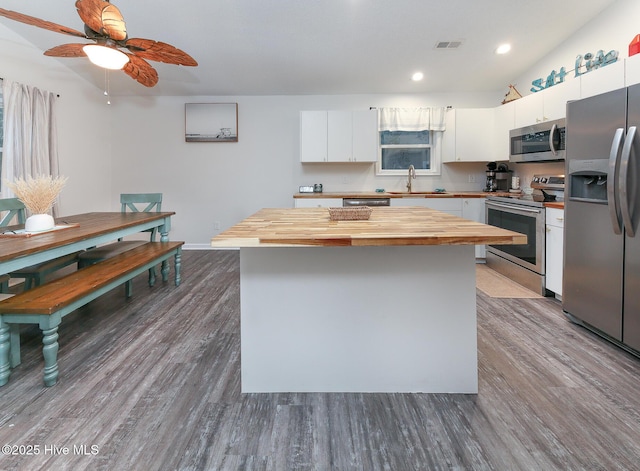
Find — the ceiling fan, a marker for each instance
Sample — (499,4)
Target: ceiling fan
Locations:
(104,24)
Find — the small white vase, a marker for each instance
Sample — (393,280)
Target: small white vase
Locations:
(39,223)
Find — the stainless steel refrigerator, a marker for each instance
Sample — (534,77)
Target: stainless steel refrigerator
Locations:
(601,281)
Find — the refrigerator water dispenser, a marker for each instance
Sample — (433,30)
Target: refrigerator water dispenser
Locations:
(588,180)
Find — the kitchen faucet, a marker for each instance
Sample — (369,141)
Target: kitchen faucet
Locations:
(412,174)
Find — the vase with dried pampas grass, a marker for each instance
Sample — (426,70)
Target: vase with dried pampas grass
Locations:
(38,195)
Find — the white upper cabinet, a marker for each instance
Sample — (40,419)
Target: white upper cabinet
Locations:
(529,110)
(632,70)
(504,121)
(604,79)
(546,105)
(365,138)
(339,136)
(313,136)
(468,136)
(554,101)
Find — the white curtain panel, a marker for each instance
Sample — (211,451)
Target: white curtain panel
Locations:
(30,134)
(412,119)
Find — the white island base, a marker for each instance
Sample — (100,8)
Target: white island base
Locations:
(359,319)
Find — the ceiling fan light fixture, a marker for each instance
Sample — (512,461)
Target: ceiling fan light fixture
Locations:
(106,57)
(503,48)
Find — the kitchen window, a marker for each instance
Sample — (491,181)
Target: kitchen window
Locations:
(410,137)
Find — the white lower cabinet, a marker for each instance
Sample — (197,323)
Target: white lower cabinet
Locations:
(446,205)
(473,209)
(468,208)
(554,249)
(317,202)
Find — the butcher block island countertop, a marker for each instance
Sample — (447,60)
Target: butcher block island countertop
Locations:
(386,226)
(386,304)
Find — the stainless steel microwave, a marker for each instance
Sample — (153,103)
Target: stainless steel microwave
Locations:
(542,142)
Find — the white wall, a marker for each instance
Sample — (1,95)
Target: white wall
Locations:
(208,182)
(613,29)
(83,122)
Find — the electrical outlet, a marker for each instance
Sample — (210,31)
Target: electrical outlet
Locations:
(472,178)
(216,225)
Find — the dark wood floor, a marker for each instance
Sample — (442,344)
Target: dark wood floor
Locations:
(153,383)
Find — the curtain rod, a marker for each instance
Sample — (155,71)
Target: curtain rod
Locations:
(57,94)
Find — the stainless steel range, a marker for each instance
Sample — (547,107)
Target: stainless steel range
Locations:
(524,213)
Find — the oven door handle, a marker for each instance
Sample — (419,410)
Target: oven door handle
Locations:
(493,204)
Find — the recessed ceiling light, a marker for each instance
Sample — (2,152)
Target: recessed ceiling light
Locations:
(417,76)
(503,48)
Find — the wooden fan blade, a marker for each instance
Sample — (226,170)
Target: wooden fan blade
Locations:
(159,52)
(103,18)
(140,70)
(33,21)
(66,50)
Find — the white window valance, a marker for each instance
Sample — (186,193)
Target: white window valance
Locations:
(412,119)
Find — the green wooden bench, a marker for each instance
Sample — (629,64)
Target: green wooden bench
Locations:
(47,304)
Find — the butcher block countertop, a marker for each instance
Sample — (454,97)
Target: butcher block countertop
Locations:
(387,226)
(399,194)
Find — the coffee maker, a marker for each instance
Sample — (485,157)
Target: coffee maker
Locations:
(498,177)
(491,183)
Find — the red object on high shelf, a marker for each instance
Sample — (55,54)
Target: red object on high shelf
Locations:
(634,46)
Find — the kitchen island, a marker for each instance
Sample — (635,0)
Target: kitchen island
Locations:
(380,305)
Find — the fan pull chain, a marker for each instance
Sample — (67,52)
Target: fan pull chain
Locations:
(106,86)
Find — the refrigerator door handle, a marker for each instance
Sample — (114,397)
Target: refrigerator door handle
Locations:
(625,206)
(612,196)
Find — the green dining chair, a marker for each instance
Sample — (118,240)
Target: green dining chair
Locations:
(133,202)
(4,284)
(33,275)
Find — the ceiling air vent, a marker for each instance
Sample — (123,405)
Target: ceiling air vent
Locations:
(448,44)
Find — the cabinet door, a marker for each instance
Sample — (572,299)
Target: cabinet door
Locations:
(340,136)
(529,110)
(553,259)
(313,136)
(555,99)
(469,135)
(473,209)
(504,121)
(604,79)
(451,206)
(632,70)
(554,249)
(365,135)
(317,202)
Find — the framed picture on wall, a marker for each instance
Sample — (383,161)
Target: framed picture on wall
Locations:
(211,122)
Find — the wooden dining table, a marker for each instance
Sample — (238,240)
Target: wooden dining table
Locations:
(74,233)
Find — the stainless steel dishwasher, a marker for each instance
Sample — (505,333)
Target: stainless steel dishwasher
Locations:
(366,202)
